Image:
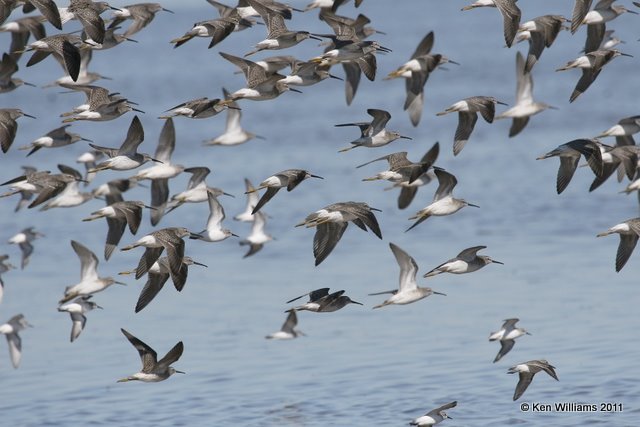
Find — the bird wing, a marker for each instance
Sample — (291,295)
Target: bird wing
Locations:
(167,142)
(27,249)
(88,261)
(8,130)
(511,15)
(580,10)
(159,197)
(135,136)
(568,166)
(442,408)
(625,249)
(268,195)
(313,295)
(15,348)
(78,320)
(352,80)
(147,355)
(517,124)
(380,119)
(505,347)
(466,123)
(151,288)
(114,234)
(446,183)
(408,269)
(290,323)
(425,46)
(326,238)
(92,23)
(150,256)
(523,383)
(234,114)
(216,212)
(198,175)
(469,254)
(171,356)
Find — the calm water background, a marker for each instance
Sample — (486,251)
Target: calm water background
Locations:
(356,366)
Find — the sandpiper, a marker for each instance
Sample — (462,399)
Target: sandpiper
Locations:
(408,290)
(200,108)
(542,31)
(507,336)
(197,189)
(153,370)
(10,330)
(100,104)
(257,237)
(233,134)
(23,239)
(374,133)
(569,155)
(58,137)
(466,261)
(510,14)
(289,178)
(288,330)
(89,283)
(88,13)
(77,309)
(408,190)
(43,183)
(4,267)
(308,73)
(118,216)
(158,275)
(141,14)
(9,126)
(85,77)
(8,67)
(332,221)
(443,201)
(433,417)
(400,169)
(605,11)
(628,231)
(63,47)
(623,130)
(160,174)
(218,29)
(252,201)
(71,195)
(214,231)
(21,30)
(321,301)
(526,372)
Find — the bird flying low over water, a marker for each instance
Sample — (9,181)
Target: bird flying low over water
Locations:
(153,370)
(321,301)
(374,133)
(510,14)
(288,330)
(569,155)
(629,231)
(526,372)
(466,261)
(289,178)
(507,336)
(434,416)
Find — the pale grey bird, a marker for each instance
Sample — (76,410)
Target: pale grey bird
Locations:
(89,283)
(591,64)
(628,231)
(43,183)
(118,216)
(580,10)
(21,30)
(400,169)
(25,195)
(332,221)
(507,336)
(252,202)
(261,85)
(466,261)
(4,267)
(64,48)
(9,126)
(569,155)
(233,134)
(10,330)
(526,372)
(288,330)
(77,309)
(214,231)
(525,106)
(416,72)
(112,190)
(408,290)
(59,137)
(467,110)
(623,130)
(158,275)
(605,11)
(126,157)
(48,8)
(321,301)
(510,14)
(443,201)
(289,178)
(8,67)
(543,31)
(71,195)
(408,190)
(169,239)
(373,134)
(23,239)
(153,370)
(141,15)
(278,35)
(624,159)
(257,237)
(197,189)
(434,417)
(160,173)
(89,160)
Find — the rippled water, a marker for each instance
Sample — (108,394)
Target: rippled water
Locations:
(356,366)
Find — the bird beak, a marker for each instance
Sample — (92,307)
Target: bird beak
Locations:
(381,32)
(28,84)
(623,54)
(28,115)
(97,306)
(167,10)
(315,176)
(501,103)
(119,283)
(150,207)
(453,62)
(200,264)
(179,372)
(115,8)
(497,262)
(336,77)
(405,137)
(234,235)
(315,38)
(227,194)
(631,11)
(471,204)
(195,235)
(551,107)
(156,160)
(356,302)
(295,90)
(439,293)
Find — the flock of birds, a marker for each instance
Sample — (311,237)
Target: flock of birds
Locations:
(348,46)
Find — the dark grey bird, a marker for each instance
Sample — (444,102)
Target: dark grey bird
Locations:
(466,261)
(628,231)
(10,330)
(569,155)
(278,35)
(510,14)
(141,15)
(45,184)
(21,30)
(77,309)
(88,13)
(23,239)
(9,126)
(526,372)
(434,416)
(119,215)
(374,133)
(47,8)
(200,108)
(408,190)
(169,239)
(507,336)
(321,301)
(623,158)
(71,196)
(59,137)
(289,178)
(308,73)
(400,169)
(153,370)
(332,221)
(157,276)
(8,67)
(542,31)
(467,110)
(100,104)
(591,64)
(218,29)
(64,48)
(580,10)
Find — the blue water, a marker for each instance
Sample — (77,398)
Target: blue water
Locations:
(356,366)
